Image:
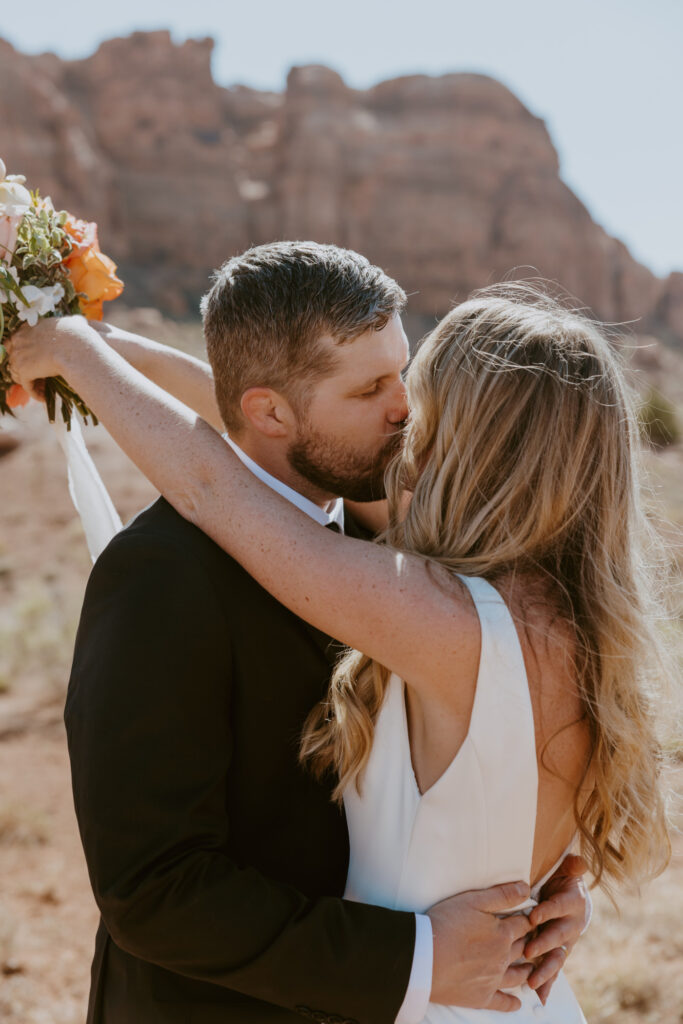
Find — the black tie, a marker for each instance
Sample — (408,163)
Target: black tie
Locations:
(335,527)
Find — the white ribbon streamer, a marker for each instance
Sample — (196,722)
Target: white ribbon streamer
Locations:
(91,499)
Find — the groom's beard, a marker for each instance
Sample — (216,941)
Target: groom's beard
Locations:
(336,469)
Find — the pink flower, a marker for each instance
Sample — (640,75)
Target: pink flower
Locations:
(9,227)
(15,200)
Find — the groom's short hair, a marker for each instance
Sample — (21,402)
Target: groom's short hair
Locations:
(268,308)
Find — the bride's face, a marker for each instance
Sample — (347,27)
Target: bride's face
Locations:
(352,422)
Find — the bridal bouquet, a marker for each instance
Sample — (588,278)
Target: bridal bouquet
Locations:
(50,265)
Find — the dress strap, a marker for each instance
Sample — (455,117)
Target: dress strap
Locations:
(502,676)
(502,729)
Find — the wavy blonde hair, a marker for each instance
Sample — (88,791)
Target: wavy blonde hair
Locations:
(522,455)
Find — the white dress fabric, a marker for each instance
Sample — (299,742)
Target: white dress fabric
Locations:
(475,826)
(90,497)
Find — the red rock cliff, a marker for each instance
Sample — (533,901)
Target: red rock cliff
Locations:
(448,183)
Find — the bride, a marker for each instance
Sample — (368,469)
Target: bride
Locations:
(495,704)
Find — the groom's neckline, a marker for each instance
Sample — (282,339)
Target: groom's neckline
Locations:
(336,513)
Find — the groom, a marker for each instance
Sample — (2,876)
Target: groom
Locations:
(217,862)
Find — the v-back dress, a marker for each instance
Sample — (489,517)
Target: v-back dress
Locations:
(475,826)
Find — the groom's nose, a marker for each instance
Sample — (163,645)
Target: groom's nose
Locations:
(397,411)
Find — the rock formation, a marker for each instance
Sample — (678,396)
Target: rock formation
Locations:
(448,183)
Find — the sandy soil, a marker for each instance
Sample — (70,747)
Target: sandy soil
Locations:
(47,914)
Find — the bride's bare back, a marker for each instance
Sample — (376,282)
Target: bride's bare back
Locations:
(439,724)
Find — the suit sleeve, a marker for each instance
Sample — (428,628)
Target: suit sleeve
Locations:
(148,725)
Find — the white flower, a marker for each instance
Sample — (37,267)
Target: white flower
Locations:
(39,302)
(4,176)
(5,294)
(15,199)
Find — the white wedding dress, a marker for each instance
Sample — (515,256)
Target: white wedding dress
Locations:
(475,826)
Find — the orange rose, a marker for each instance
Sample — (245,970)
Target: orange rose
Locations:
(83,235)
(94,274)
(91,272)
(16,396)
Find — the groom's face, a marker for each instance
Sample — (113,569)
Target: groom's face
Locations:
(350,425)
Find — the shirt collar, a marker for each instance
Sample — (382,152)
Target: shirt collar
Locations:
(335,514)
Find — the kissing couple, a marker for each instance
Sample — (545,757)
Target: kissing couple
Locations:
(280,826)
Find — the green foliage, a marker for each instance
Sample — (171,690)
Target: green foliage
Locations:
(42,244)
(658,420)
(41,248)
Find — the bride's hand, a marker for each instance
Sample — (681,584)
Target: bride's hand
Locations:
(560,918)
(41,351)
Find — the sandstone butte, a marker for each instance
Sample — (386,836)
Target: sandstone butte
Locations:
(448,183)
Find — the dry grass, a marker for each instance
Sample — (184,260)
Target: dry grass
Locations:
(628,968)
(22,824)
(37,631)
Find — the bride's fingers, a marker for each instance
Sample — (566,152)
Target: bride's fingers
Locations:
(31,354)
(561,904)
(101,327)
(562,932)
(517,949)
(516,975)
(14,365)
(548,969)
(11,358)
(544,991)
(504,1002)
(14,358)
(573,866)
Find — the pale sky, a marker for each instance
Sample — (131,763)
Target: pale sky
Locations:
(606,75)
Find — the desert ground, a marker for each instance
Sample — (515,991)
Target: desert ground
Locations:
(629,966)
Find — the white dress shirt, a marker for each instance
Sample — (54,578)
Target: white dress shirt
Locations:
(414,1006)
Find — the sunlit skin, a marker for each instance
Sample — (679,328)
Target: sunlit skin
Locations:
(348,425)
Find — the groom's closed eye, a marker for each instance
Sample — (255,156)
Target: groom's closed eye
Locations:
(370,387)
(373,387)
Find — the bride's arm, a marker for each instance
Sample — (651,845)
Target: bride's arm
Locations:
(185,377)
(384,603)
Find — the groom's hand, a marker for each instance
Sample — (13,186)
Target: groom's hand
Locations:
(474,949)
(560,918)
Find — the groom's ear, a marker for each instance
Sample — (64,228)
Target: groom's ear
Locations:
(268,412)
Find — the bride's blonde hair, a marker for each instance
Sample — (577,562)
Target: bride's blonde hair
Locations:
(522,455)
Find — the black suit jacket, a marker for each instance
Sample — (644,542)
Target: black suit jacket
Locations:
(217,862)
